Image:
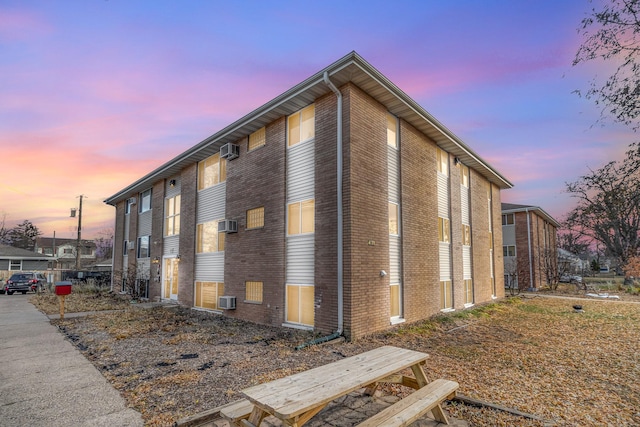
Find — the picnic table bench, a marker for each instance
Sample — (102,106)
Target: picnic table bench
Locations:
(297,398)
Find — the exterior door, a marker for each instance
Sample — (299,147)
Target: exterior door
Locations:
(171,278)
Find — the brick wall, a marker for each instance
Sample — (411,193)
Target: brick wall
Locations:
(455,200)
(186,266)
(367,235)
(326,214)
(480,243)
(256,179)
(498,259)
(157,236)
(421,274)
(118,242)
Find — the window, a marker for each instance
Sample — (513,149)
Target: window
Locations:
(442,157)
(301,217)
(395,300)
(509,250)
(67,251)
(468,291)
(508,219)
(125,247)
(392,131)
(466,235)
(253,291)
(257,139)
(446,293)
(127,206)
(443,229)
(145,201)
(255,218)
(15,265)
(393,219)
(143,247)
(300,304)
(208,238)
(464,172)
(172,216)
(301,125)
(211,171)
(207,294)
(86,251)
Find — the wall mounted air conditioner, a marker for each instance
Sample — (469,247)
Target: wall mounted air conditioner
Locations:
(229,151)
(227,303)
(132,200)
(228,226)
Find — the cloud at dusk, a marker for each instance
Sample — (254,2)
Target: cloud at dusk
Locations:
(97,94)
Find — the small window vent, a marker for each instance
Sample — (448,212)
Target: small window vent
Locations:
(229,151)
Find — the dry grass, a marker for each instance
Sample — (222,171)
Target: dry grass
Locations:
(533,354)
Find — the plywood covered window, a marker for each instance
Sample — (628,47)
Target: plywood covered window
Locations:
(301,125)
(394,227)
(253,291)
(464,173)
(466,235)
(392,131)
(255,218)
(442,158)
(446,295)
(300,304)
(443,229)
(207,294)
(257,139)
(468,291)
(208,239)
(301,217)
(394,300)
(211,171)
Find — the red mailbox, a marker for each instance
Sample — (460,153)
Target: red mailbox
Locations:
(63,288)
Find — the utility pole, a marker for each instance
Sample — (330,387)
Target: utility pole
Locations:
(79,235)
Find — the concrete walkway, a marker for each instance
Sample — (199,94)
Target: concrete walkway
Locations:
(46,381)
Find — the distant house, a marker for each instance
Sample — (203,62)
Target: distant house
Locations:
(570,263)
(64,250)
(529,247)
(341,205)
(17,259)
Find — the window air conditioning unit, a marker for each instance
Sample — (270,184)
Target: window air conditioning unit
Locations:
(132,200)
(227,303)
(229,151)
(228,226)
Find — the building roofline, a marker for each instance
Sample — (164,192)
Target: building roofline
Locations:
(527,208)
(351,67)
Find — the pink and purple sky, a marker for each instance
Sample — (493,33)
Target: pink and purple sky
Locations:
(95,94)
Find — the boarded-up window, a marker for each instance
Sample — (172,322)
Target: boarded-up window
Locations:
(257,139)
(255,218)
(301,125)
(300,304)
(208,239)
(446,293)
(301,217)
(207,294)
(211,171)
(253,291)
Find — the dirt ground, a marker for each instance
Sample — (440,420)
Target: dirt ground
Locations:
(531,353)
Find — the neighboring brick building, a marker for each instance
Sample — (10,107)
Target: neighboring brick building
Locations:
(530,249)
(413,213)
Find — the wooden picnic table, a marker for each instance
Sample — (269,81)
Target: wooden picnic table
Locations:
(297,398)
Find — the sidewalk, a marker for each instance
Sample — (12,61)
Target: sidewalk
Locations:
(46,381)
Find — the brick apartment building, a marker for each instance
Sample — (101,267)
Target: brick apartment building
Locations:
(530,249)
(341,205)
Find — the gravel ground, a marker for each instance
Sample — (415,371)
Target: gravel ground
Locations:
(534,354)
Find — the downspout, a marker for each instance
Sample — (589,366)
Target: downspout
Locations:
(340,239)
(529,244)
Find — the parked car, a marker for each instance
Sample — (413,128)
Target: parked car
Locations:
(24,282)
(568,278)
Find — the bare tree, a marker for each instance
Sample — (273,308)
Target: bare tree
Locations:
(608,209)
(612,34)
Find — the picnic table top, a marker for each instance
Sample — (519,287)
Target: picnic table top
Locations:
(289,397)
